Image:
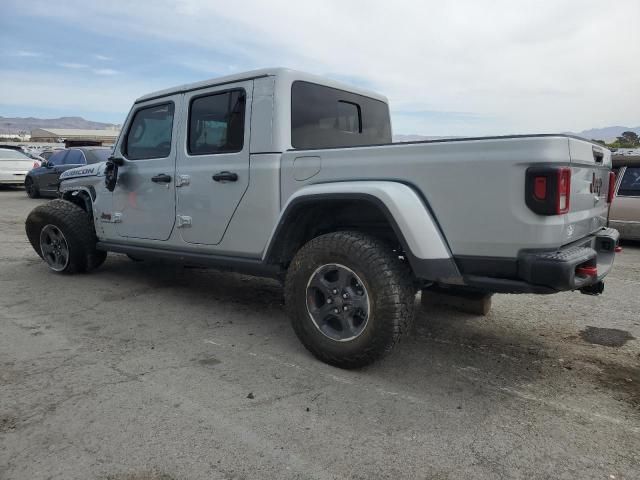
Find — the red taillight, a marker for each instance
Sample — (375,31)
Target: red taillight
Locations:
(36,164)
(612,187)
(587,271)
(563,193)
(540,188)
(548,189)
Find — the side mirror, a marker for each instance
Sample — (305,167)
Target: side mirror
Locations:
(111,172)
(119,161)
(46,164)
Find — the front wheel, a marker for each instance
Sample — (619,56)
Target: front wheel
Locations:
(350,298)
(63,235)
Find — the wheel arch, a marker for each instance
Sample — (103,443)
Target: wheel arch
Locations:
(383,208)
(81,196)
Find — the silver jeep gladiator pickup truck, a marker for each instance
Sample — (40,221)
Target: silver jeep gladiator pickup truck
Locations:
(284,174)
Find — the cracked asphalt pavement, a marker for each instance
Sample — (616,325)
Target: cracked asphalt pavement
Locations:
(143,371)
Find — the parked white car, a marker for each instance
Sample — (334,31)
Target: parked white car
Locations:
(14,166)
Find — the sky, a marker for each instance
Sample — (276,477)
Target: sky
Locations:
(448,67)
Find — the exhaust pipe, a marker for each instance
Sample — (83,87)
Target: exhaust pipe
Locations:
(593,289)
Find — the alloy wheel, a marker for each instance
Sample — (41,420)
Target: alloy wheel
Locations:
(54,247)
(338,302)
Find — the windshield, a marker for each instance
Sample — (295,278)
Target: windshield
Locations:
(6,154)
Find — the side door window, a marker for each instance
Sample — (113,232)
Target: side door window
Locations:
(630,183)
(216,123)
(150,133)
(74,157)
(57,159)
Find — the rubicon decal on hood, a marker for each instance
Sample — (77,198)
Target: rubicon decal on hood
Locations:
(80,172)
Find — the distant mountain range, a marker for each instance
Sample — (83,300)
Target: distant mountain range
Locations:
(608,134)
(17,124)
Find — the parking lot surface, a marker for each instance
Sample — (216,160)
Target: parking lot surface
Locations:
(143,371)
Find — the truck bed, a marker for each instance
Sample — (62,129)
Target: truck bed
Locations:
(474,187)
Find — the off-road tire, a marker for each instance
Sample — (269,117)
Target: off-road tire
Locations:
(78,230)
(388,281)
(31,188)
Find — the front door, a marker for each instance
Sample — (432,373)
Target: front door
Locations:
(144,197)
(213,163)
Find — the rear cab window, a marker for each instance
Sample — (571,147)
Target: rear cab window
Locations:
(325,117)
(630,183)
(149,135)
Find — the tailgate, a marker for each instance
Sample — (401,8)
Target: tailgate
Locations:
(590,167)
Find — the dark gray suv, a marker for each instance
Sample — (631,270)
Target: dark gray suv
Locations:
(43,181)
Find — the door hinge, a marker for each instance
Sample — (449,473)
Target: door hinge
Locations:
(183,221)
(183,180)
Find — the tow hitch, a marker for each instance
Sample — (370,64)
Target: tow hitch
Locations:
(593,289)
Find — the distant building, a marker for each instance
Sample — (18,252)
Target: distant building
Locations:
(73,136)
(19,136)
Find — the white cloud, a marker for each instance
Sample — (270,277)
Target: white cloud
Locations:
(27,53)
(83,66)
(514,66)
(74,66)
(103,58)
(104,71)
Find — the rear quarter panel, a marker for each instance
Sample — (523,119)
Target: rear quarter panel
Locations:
(474,188)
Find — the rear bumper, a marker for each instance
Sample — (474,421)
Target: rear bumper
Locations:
(555,271)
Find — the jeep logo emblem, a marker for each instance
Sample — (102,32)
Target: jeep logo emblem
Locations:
(596,185)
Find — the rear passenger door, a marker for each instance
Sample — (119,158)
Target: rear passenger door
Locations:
(213,161)
(144,197)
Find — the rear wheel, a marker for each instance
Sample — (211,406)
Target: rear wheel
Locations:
(31,188)
(62,234)
(350,298)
